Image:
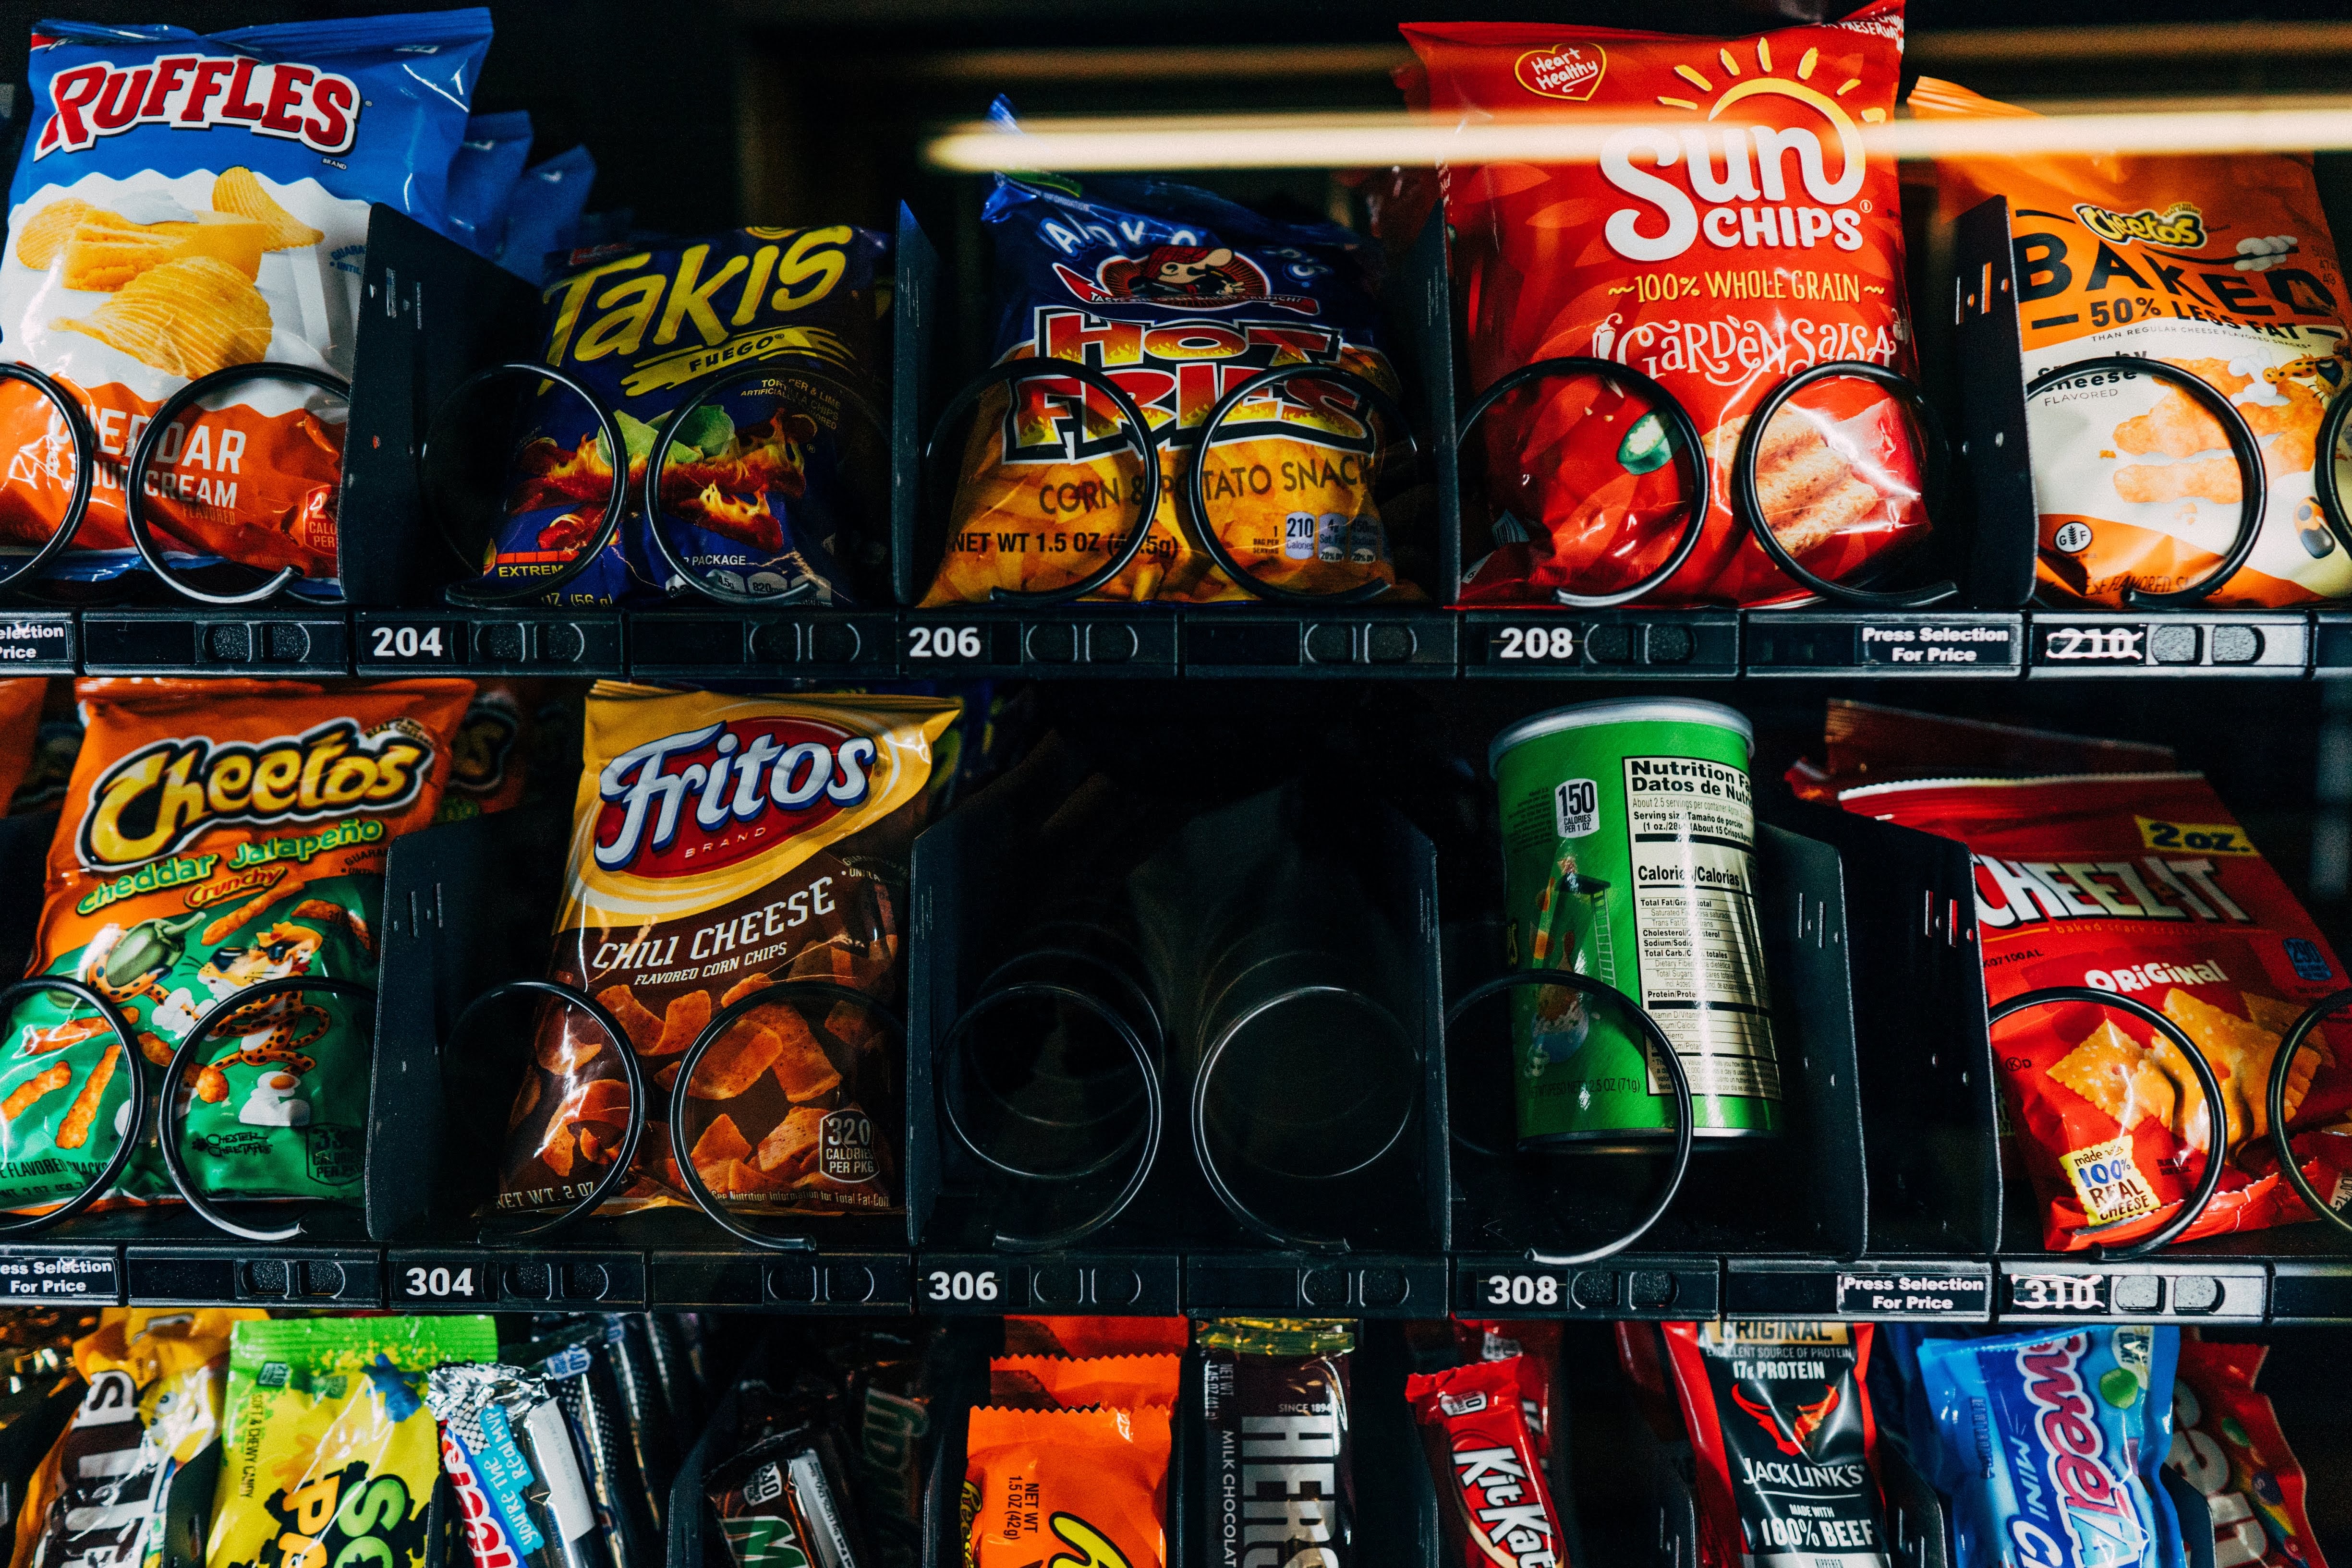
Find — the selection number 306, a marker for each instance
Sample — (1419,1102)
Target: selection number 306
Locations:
(962,1285)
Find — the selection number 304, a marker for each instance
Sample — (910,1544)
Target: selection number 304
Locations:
(441,1282)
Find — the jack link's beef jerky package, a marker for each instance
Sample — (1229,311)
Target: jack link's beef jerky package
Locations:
(2221,267)
(722,845)
(756,491)
(218,834)
(1178,296)
(1731,233)
(2226,1443)
(186,203)
(2143,885)
(1280,1438)
(1780,1424)
(151,1402)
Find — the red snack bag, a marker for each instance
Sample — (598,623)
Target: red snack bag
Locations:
(2142,884)
(1089,1336)
(1533,1347)
(1730,234)
(1482,1455)
(2227,1444)
(1787,1448)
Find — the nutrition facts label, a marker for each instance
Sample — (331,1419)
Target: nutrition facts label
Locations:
(1692,836)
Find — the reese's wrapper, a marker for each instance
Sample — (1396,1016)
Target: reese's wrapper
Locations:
(1493,1503)
(1096,1336)
(755,490)
(2142,883)
(218,834)
(1278,1436)
(1065,1383)
(1780,1424)
(329,1453)
(2221,267)
(1086,1485)
(491,757)
(151,1402)
(1178,296)
(722,845)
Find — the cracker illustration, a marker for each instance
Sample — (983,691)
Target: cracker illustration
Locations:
(2241,1051)
(240,191)
(2116,1073)
(190,318)
(2206,479)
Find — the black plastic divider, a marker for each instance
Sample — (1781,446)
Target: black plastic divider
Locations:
(2076,643)
(1610,644)
(1910,644)
(196,642)
(543,640)
(1508,1206)
(188,1508)
(39,641)
(718,644)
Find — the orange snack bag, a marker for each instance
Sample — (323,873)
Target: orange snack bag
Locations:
(2221,267)
(1072,1383)
(20,730)
(1085,1485)
(1091,1336)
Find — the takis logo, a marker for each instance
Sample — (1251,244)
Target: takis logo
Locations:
(2179,226)
(1791,1437)
(165,794)
(711,797)
(1180,278)
(194,92)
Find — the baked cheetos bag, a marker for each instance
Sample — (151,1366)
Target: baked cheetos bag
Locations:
(218,834)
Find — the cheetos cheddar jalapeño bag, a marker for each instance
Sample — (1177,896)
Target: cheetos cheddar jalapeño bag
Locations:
(218,834)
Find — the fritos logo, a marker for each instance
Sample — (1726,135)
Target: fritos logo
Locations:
(2179,226)
(163,795)
(1571,71)
(195,92)
(708,798)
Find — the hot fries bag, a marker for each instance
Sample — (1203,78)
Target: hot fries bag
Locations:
(722,845)
(330,1452)
(760,489)
(151,1403)
(218,834)
(1732,233)
(1178,296)
(187,204)
(2221,267)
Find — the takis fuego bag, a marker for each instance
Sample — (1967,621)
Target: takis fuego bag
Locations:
(218,834)
(1178,296)
(1732,233)
(186,203)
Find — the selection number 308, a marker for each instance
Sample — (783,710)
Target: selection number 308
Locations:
(1521,1289)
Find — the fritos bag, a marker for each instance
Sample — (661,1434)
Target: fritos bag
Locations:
(2220,265)
(1731,236)
(188,202)
(331,1454)
(151,1402)
(722,844)
(1178,296)
(2226,1443)
(758,488)
(1086,1486)
(2142,884)
(216,834)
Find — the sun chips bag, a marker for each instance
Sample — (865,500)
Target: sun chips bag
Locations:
(2221,267)
(755,485)
(186,203)
(1178,296)
(722,845)
(151,1402)
(1731,233)
(216,834)
(2141,884)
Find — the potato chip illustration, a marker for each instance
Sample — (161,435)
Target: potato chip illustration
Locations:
(190,318)
(105,251)
(240,191)
(44,233)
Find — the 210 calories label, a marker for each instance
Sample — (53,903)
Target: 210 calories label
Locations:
(1896,1293)
(83,1277)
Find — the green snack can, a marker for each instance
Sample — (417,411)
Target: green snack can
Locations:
(1629,856)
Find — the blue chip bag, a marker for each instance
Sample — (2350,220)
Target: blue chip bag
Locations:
(482,179)
(2048,1445)
(543,213)
(756,493)
(187,203)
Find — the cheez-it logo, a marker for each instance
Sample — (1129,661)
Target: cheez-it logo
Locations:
(195,92)
(1571,71)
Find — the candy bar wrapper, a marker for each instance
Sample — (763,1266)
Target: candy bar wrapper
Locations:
(508,1510)
(1535,1345)
(1086,1486)
(1494,1508)
(584,1426)
(1094,1336)
(1065,1383)
(2047,1445)
(1279,1438)
(2227,1444)
(789,1493)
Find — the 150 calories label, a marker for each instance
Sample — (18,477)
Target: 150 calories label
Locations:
(1691,837)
